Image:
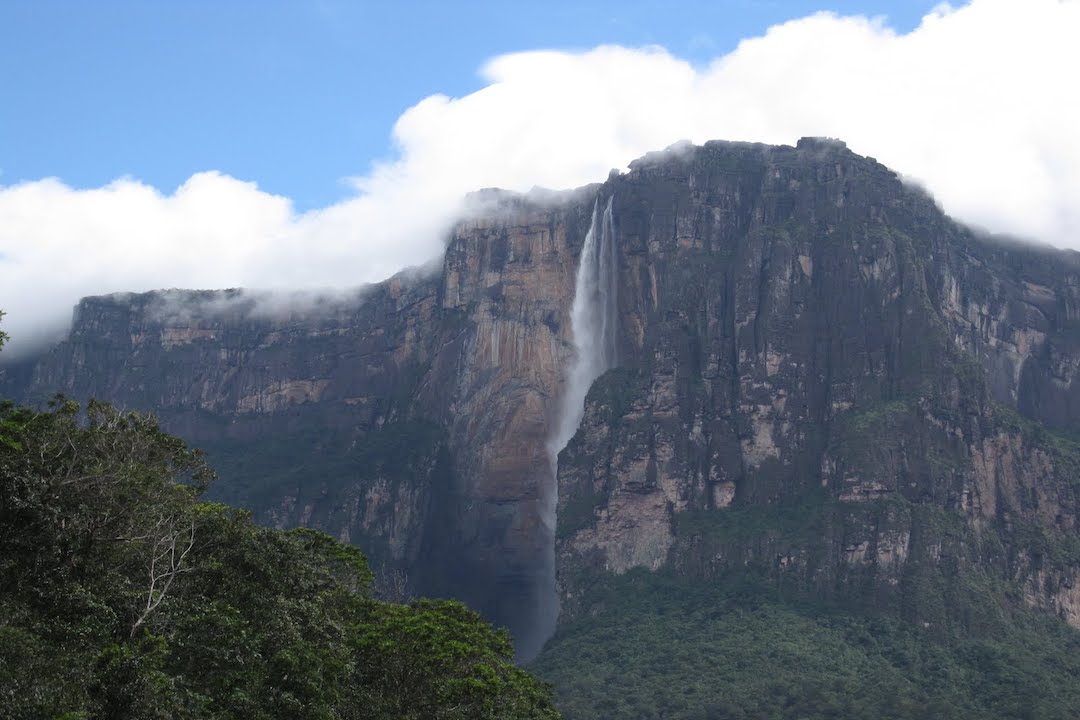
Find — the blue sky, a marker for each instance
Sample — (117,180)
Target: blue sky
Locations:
(296,95)
(325,144)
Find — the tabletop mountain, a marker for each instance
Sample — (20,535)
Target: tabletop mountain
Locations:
(827,442)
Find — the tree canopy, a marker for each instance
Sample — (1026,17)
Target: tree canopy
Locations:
(123,595)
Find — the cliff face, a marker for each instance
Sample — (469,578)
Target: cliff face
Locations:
(818,374)
(409,418)
(820,378)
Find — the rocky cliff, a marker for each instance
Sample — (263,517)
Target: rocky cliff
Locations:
(821,377)
(409,418)
(817,374)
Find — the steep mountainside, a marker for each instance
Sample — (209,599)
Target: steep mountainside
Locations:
(409,418)
(799,328)
(818,379)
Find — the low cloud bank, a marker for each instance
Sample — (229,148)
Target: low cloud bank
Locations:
(977,104)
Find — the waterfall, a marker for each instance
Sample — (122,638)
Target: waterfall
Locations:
(594,331)
(593,322)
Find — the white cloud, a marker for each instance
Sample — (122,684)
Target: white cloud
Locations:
(978,104)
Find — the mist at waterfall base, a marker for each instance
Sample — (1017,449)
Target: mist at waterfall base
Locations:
(594,324)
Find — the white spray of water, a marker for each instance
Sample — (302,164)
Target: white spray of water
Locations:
(593,323)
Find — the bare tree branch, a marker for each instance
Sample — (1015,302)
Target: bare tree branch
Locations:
(166,564)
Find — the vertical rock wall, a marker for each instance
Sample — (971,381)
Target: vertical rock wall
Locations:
(819,377)
(818,374)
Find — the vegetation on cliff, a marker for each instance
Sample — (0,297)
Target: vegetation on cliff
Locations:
(123,595)
(661,645)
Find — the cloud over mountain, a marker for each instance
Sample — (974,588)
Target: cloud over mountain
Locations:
(977,104)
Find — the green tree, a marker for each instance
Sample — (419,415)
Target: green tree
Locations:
(123,595)
(98,525)
(437,658)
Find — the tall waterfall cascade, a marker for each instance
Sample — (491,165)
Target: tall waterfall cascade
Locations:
(593,322)
(594,326)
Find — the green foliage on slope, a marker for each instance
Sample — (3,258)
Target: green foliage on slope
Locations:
(654,645)
(123,595)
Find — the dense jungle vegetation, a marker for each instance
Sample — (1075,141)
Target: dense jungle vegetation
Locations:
(652,645)
(122,595)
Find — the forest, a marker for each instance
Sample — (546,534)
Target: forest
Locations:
(122,594)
